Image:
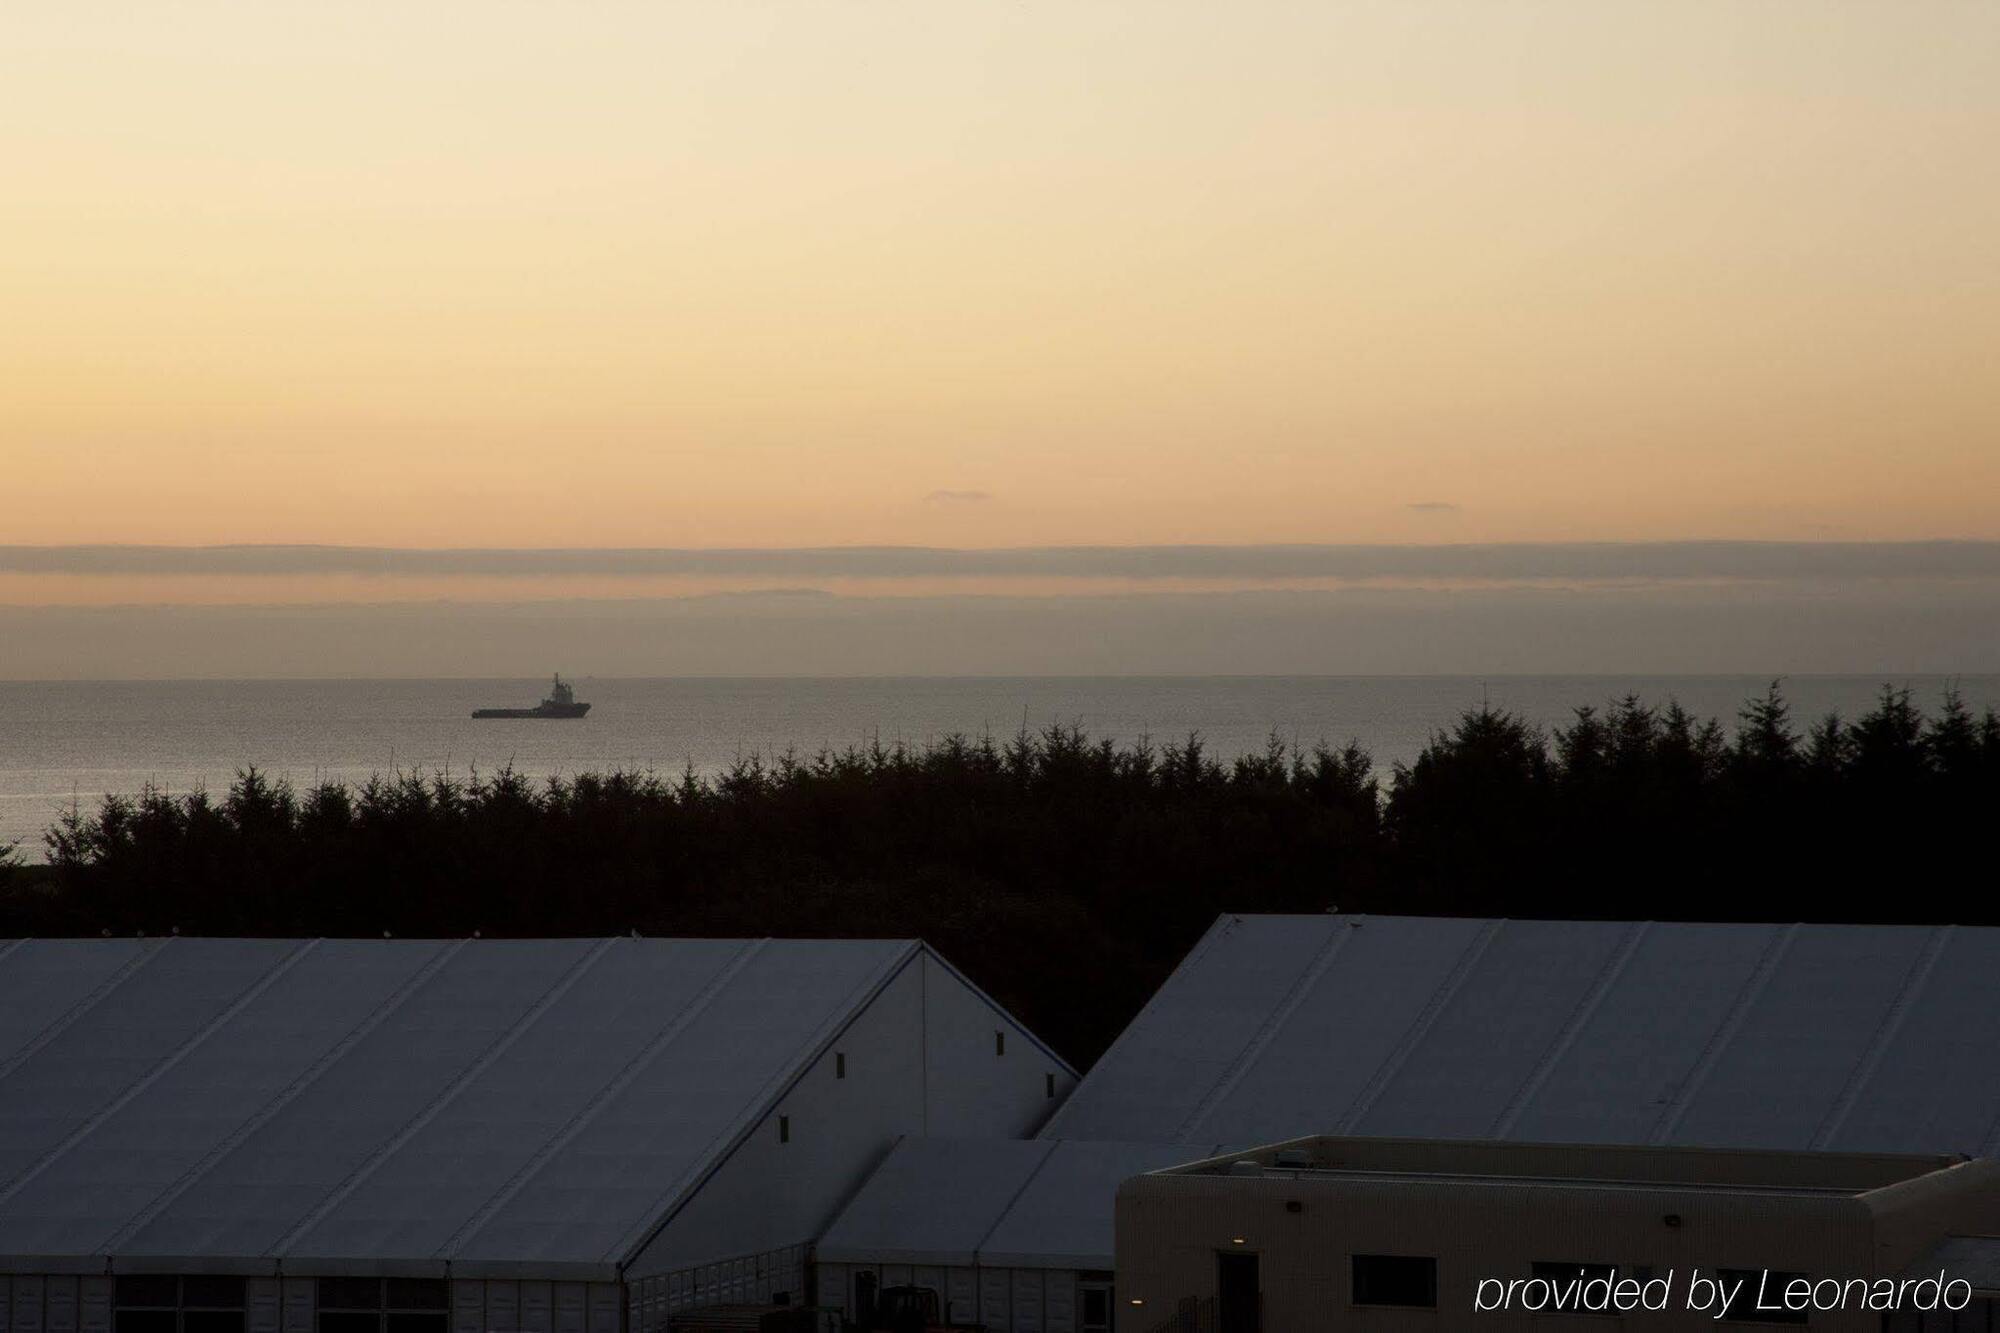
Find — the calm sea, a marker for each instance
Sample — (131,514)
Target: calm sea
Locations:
(61,741)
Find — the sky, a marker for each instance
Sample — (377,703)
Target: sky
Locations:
(762,274)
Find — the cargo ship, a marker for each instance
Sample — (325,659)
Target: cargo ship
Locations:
(560,703)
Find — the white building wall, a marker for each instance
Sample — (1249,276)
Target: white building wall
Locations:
(535,1307)
(783,1184)
(922,1058)
(264,1305)
(26,1302)
(960,1295)
(975,1090)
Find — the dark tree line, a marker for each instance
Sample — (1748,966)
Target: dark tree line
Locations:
(1068,875)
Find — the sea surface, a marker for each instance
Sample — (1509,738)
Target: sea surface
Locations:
(74,741)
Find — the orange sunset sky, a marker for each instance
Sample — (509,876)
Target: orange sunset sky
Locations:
(767,273)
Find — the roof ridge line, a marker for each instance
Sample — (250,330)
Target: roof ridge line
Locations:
(1420,1026)
(286,1095)
(696,1005)
(1055,1145)
(160,1067)
(1215,931)
(1586,1008)
(62,1022)
(429,1112)
(633,1242)
(1725,1032)
(1877,1050)
(1309,976)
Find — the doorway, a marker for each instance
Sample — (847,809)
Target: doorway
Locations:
(1239,1300)
(864,1299)
(1094,1307)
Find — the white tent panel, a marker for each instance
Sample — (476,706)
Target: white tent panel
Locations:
(1862,1038)
(512,1108)
(932,1200)
(1942,1088)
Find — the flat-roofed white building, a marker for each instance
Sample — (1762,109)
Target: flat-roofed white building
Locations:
(1406,1234)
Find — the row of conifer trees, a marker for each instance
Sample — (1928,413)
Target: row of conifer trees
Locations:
(1068,874)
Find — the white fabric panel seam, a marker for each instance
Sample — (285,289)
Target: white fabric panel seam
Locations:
(1878,1047)
(83,1006)
(1441,998)
(1718,1041)
(1309,976)
(339,1194)
(1607,977)
(160,1068)
(285,1096)
(510,1188)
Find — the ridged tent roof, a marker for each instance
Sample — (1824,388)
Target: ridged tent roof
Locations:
(998,1203)
(503,1105)
(1862,1038)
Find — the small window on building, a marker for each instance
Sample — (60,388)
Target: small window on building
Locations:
(147,1304)
(1395,1279)
(382,1305)
(1049,1086)
(999,1042)
(350,1293)
(417,1303)
(784,1129)
(148,1292)
(211,1305)
(212,1293)
(1746,1282)
(350,1304)
(166,1304)
(145,1321)
(407,1293)
(840,1064)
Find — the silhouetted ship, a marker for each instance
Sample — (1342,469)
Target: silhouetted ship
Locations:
(560,703)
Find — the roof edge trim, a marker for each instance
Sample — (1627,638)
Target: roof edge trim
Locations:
(997,1007)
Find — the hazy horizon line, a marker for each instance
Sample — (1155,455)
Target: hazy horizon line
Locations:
(1692,558)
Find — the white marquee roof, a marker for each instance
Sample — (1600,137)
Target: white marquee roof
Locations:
(498,1105)
(1863,1038)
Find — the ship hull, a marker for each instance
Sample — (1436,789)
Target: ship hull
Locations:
(544,711)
